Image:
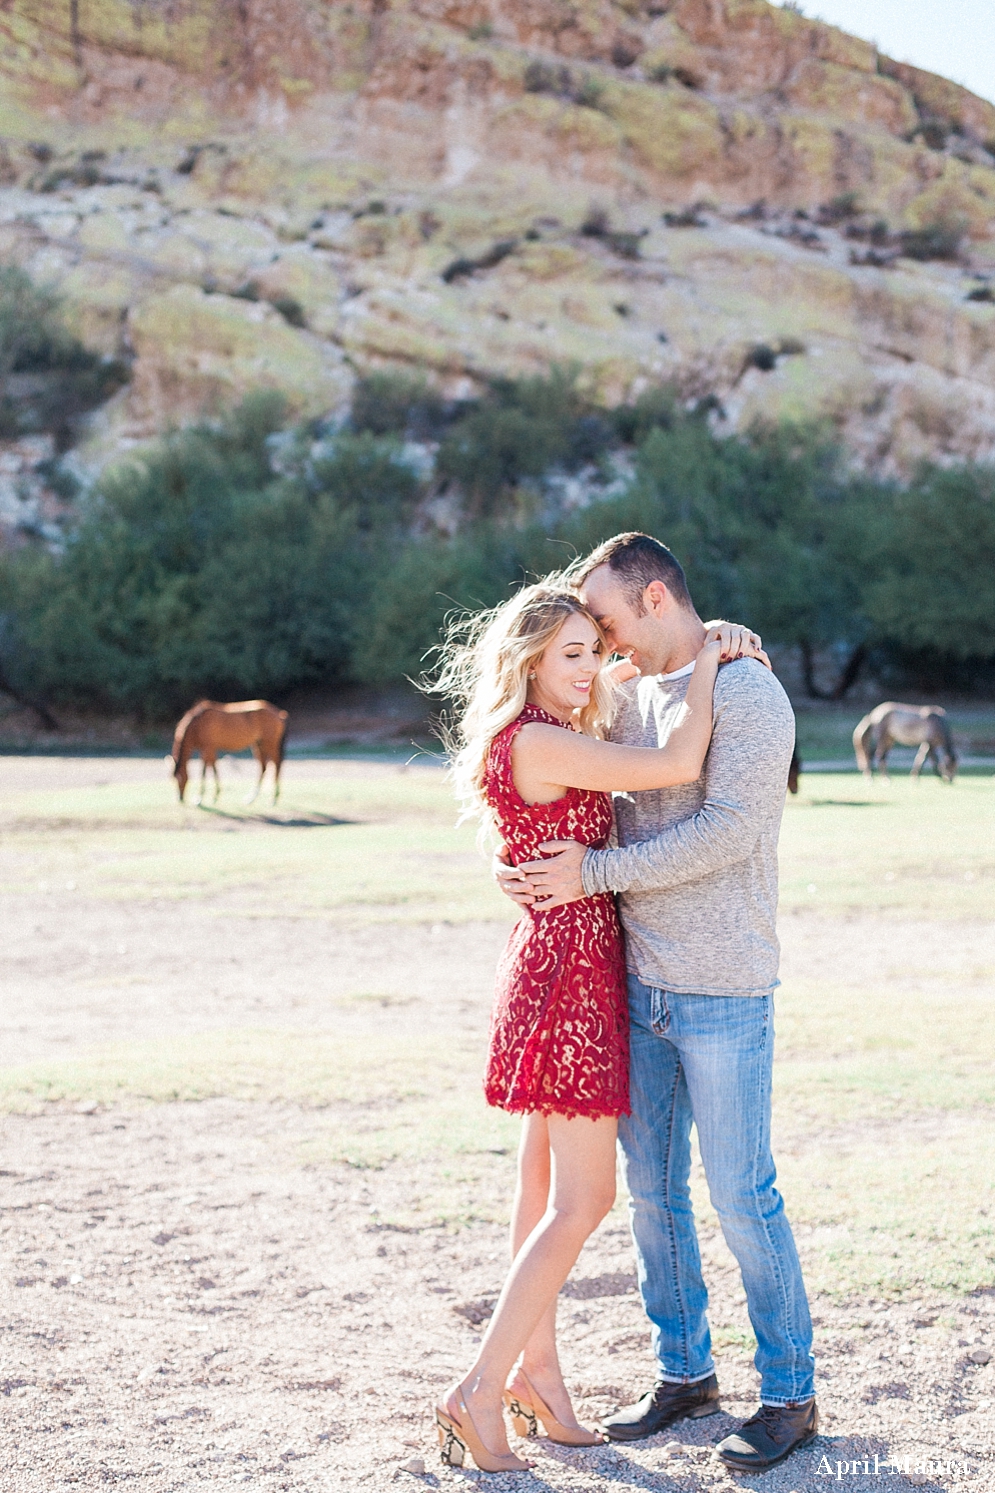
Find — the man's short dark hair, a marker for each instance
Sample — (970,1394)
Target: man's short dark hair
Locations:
(637,559)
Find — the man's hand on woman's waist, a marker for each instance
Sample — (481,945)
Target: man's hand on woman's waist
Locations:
(510,879)
(543,884)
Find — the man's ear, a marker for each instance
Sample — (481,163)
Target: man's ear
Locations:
(656,598)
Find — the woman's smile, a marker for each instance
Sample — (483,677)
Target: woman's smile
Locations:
(555,683)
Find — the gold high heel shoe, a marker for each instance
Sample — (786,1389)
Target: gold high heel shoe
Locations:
(527,1412)
(457,1437)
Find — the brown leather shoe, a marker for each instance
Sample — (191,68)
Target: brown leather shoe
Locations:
(769,1436)
(661,1406)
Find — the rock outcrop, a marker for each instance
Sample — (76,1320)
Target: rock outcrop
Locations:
(720,193)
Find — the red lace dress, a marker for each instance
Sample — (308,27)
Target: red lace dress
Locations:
(559,1030)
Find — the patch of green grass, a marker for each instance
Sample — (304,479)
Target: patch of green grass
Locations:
(306,1067)
(382,845)
(926,848)
(382,1099)
(375,846)
(348,791)
(892,1209)
(884,1090)
(824,735)
(733,1337)
(886,1160)
(359,873)
(366,999)
(825,732)
(880,1050)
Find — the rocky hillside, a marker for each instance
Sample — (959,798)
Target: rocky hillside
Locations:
(723,193)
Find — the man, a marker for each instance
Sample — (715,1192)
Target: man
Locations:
(696,874)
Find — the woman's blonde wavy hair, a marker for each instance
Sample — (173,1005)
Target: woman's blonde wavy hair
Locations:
(484,671)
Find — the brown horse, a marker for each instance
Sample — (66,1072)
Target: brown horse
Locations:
(888,725)
(210,728)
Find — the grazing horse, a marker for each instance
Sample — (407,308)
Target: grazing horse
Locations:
(210,728)
(924,726)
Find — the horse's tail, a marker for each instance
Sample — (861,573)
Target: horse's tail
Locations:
(861,741)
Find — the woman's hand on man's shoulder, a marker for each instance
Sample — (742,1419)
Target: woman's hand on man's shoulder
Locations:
(735,641)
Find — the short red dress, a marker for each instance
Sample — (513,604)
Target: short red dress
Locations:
(560,1028)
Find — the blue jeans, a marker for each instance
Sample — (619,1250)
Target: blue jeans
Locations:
(708,1059)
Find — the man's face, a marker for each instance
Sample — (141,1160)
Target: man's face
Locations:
(643,637)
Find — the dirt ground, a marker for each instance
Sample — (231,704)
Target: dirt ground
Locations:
(188,1296)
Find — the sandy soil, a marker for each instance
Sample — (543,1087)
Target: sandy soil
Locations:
(186,1299)
(181,1306)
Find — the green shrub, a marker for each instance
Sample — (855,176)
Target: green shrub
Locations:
(415,590)
(396,404)
(756,522)
(521,430)
(246,558)
(367,479)
(48,379)
(656,407)
(587,91)
(195,569)
(933,581)
(940,239)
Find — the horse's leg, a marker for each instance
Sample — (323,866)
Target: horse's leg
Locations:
(949,755)
(203,779)
(924,751)
(884,747)
(180,771)
(278,759)
(257,752)
(209,757)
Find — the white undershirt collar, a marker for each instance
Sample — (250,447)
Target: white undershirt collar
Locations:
(677,673)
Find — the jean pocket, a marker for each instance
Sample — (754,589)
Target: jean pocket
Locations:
(659,1012)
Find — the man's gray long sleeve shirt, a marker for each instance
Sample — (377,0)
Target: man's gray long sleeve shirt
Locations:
(696,866)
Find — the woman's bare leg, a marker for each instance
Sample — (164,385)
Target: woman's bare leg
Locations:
(540,1359)
(581,1191)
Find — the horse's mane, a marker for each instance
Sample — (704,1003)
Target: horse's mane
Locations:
(184,723)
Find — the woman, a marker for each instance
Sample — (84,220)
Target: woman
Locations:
(532,764)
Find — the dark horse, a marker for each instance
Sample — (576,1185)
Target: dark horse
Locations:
(888,725)
(210,728)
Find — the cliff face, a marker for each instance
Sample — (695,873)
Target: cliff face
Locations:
(716,192)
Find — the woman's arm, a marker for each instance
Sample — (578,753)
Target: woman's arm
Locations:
(546,759)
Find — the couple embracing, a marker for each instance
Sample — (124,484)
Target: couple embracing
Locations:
(631,1029)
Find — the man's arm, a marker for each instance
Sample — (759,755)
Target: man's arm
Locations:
(746,775)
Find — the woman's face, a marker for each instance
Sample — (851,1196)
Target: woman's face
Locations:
(565,672)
